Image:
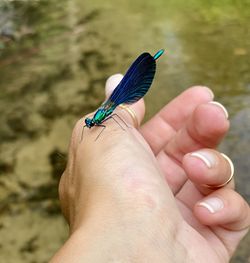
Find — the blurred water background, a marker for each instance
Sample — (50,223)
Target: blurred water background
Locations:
(54,59)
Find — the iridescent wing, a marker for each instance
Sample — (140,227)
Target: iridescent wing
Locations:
(136,81)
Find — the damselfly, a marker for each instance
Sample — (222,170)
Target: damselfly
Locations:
(132,87)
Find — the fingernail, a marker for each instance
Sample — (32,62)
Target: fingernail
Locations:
(210,91)
(230,163)
(213,204)
(221,107)
(208,158)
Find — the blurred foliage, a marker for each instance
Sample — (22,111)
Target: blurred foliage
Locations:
(214,11)
(31,23)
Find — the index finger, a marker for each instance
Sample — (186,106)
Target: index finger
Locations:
(138,108)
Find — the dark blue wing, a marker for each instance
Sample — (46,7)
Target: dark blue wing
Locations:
(136,81)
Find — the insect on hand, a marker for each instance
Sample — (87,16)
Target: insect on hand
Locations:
(132,87)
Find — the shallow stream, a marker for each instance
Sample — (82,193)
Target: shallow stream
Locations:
(54,59)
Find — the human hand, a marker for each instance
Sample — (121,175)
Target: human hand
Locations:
(138,196)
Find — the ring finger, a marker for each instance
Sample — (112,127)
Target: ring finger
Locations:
(209,170)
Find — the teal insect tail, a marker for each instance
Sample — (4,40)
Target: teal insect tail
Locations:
(158,54)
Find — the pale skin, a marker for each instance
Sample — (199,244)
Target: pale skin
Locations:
(138,195)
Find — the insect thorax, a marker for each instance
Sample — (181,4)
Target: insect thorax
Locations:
(100,116)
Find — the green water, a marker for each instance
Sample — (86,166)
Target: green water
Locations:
(54,59)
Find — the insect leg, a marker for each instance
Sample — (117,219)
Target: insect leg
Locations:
(111,117)
(82,132)
(100,125)
(120,119)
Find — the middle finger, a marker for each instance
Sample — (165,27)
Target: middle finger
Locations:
(163,126)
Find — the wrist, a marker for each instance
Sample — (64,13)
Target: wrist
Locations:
(124,242)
